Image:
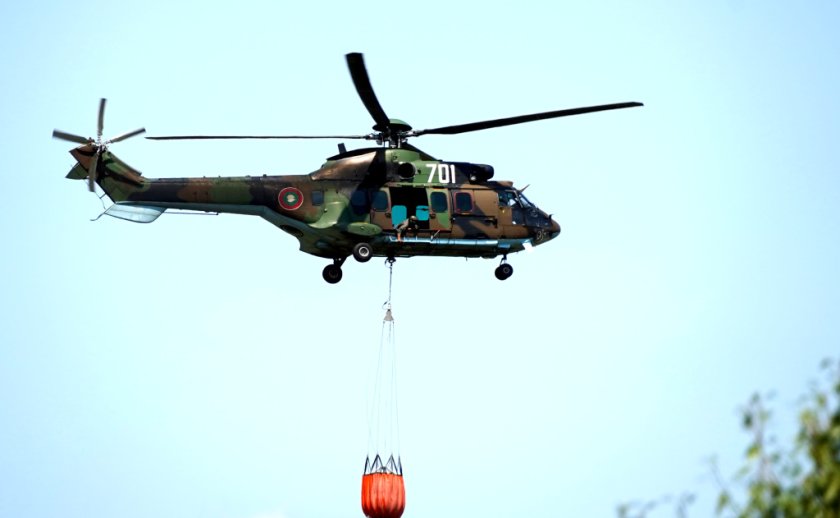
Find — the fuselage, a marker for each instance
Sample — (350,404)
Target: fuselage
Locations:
(358,196)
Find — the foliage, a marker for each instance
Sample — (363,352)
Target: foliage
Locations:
(803,481)
(641,509)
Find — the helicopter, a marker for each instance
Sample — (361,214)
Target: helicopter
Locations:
(392,200)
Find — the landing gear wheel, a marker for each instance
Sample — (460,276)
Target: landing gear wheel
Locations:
(362,252)
(504,271)
(332,273)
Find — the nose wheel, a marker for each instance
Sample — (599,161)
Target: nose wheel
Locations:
(332,272)
(504,270)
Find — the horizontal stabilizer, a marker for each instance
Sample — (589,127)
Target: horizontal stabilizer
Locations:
(135,213)
(77,173)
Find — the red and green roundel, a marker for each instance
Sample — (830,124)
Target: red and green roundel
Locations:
(290,198)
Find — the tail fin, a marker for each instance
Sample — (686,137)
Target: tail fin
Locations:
(97,164)
(114,176)
(117,179)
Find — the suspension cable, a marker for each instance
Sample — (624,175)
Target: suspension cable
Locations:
(390,262)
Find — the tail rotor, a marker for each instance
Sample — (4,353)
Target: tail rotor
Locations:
(99,145)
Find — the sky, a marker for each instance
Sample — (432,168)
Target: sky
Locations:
(200,367)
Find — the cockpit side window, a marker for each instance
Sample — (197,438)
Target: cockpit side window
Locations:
(507,198)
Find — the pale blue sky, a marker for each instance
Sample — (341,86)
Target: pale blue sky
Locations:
(200,366)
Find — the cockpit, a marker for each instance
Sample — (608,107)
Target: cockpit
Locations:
(512,198)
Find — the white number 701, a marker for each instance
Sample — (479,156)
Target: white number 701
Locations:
(445,172)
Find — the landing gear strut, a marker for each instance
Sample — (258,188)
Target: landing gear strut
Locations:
(504,270)
(332,272)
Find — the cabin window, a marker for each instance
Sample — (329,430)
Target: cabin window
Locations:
(438,200)
(380,201)
(359,202)
(317,198)
(463,202)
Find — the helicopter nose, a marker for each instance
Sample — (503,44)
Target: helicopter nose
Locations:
(547,230)
(555,228)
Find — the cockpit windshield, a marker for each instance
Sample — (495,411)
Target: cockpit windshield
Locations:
(524,202)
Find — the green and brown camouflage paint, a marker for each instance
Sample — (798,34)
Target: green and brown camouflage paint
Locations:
(353,197)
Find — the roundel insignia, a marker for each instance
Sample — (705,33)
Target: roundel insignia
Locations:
(290,198)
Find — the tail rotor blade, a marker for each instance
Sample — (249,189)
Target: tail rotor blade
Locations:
(94,164)
(70,137)
(127,135)
(100,123)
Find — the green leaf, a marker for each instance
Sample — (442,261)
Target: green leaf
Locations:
(623,511)
(822,401)
(748,420)
(834,489)
(722,502)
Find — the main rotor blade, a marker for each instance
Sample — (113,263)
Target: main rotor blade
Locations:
(241,137)
(94,163)
(70,137)
(127,135)
(495,123)
(100,123)
(356,64)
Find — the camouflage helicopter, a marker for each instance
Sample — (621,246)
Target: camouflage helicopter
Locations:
(392,200)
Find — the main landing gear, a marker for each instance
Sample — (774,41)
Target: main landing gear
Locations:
(504,270)
(332,272)
(362,252)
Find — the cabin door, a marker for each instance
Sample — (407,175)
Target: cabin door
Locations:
(407,202)
(440,219)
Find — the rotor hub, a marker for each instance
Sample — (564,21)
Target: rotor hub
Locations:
(393,126)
